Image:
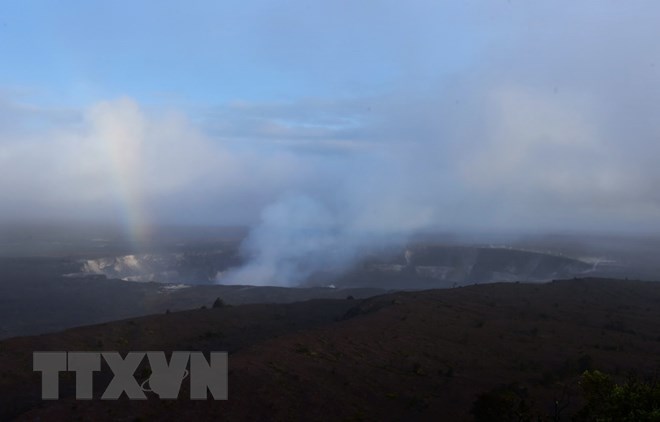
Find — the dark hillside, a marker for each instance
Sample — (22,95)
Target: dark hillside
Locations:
(410,355)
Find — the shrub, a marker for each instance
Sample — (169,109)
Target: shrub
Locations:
(503,404)
(634,400)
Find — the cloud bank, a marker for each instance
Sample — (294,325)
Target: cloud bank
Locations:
(521,117)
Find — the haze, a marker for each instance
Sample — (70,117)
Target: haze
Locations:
(330,125)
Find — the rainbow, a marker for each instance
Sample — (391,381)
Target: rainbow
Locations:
(121,128)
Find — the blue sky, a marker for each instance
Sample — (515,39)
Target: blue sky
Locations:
(212,52)
(387,114)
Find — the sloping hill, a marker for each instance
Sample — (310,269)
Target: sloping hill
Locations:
(411,355)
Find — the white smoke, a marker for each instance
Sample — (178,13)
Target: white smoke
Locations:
(300,235)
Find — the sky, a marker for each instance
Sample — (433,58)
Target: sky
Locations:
(360,120)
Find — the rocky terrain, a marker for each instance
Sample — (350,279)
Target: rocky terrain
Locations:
(42,294)
(418,266)
(35,299)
